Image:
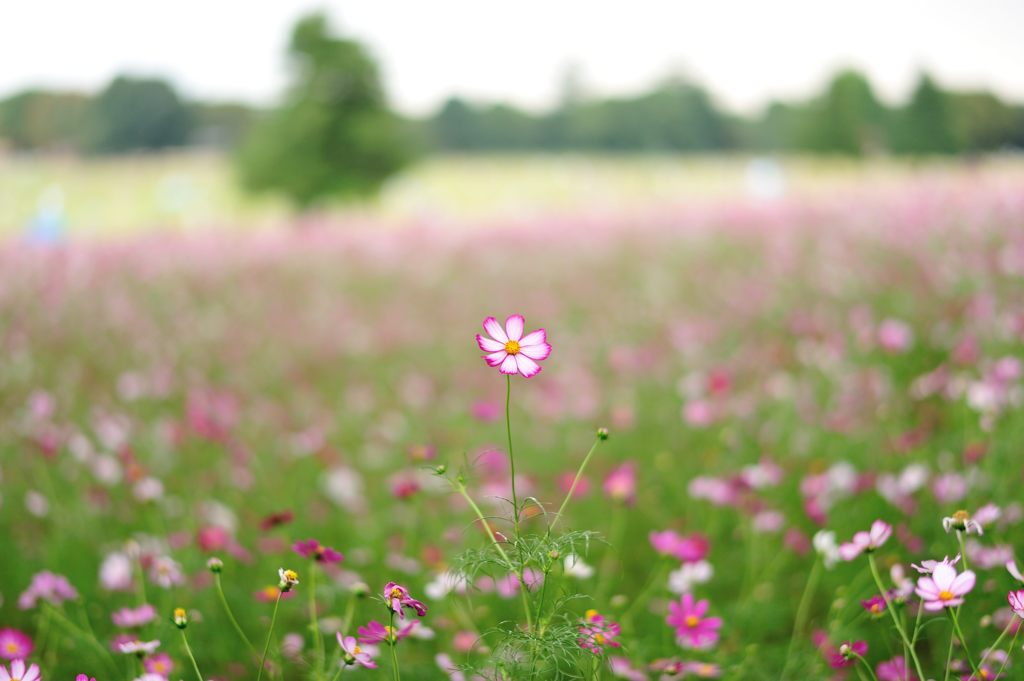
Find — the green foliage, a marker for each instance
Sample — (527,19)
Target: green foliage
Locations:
(926,125)
(36,119)
(136,114)
(847,119)
(333,135)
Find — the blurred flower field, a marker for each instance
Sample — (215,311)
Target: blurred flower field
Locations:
(186,418)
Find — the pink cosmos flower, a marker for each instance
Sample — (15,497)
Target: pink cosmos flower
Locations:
(844,656)
(620,485)
(688,549)
(866,541)
(1011,567)
(1016,599)
(624,669)
(511,351)
(895,670)
(944,588)
(14,644)
(693,630)
(375,632)
(311,548)
(49,587)
(894,335)
(874,605)
(398,599)
(160,663)
(19,672)
(353,654)
(928,566)
(129,618)
(85,677)
(597,633)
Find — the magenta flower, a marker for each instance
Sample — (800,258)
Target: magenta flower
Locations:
(866,541)
(85,677)
(129,618)
(895,670)
(846,655)
(49,587)
(944,588)
(1016,600)
(159,663)
(353,654)
(14,644)
(622,668)
(511,351)
(311,548)
(620,485)
(875,605)
(398,599)
(688,549)
(19,672)
(375,632)
(597,633)
(693,630)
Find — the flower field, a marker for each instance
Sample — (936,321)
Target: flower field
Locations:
(735,439)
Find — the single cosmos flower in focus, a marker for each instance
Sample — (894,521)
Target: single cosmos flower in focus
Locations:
(944,588)
(511,351)
(397,599)
(866,541)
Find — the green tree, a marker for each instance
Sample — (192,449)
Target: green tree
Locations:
(334,134)
(36,119)
(139,113)
(846,119)
(926,125)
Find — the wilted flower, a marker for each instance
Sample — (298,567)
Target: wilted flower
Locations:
(944,588)
(397,598)
(511,351)
(866,541)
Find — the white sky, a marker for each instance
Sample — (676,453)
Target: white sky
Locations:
(746,52)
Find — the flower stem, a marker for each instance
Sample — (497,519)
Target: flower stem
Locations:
(995,646)
(895,619)
(231,615)
(188,649)
(511,458)
(963,549)
(575,481)
(867,666)
(270,634)
(314,625)
(394,646)
(963,643)
(810,587)
(60,617)
(1009,652)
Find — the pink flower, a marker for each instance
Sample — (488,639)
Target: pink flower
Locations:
(19,672)
(353,654)
(895,670)
(14,644)
(160,663)
(49,587)
(928,566)
(398,599)
(85,677)
(894,335)
(511,351)
(311,548)
(620,485)
(845,656)
(1016,599)
(866,541)
(944,588)
(597,632)
(129,618)
(693,630)
(375,632)
(624,669)
(689,549)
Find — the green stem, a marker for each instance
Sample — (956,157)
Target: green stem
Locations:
(810,587)
(101,650)
(314,625)
(867,666)
(270,634)
(511,458)
(895,619)
(575,481)
(615,537)
(995,646)
(394,647)
(963,643)
(188,649)
(963,549)
(1013,644)
(350,609)
(231,615)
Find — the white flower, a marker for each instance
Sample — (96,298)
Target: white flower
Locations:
(139,647)
(444,584)
(116,572)
(961,521)
(575,567)
(825,544)
(690,574)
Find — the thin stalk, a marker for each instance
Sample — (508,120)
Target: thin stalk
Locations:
(963,643)
(895,619)
(963,549)
(511,458)
(231,615)
(270,634)
(394,647)
(188,649)
(575,481)
(1009,652)
(810,587)
(871,672)
(59,616)
(314,625)
(995,646)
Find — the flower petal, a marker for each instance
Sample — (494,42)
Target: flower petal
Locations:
(527,367)
(496,358)
(963,583)
(514,326)
(509,366)
(494,330)
(537,352)
(489,344)
(943,575)
(538,337)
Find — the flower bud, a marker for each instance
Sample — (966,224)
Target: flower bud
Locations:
(215,565)
(180,618)
(602,433)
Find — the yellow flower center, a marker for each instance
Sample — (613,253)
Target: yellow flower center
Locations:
(179,612)
(357,650)
(600,639)
(961,516)
(946,596)
(291,575)
(692,621)
(512,347)
(876,608)
(12,647)
(396,593)
(590,614)
(159,667)
(270,592)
